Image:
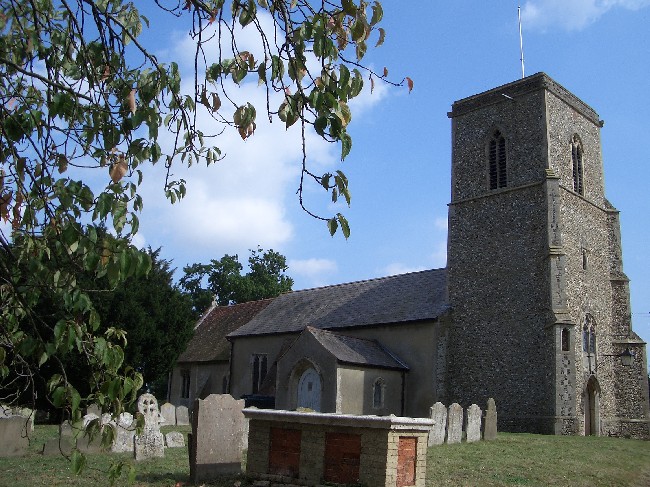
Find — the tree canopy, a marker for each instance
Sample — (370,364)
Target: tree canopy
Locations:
(222,282)
(84,105)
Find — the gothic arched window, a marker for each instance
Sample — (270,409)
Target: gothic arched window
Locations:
(576,158)
(378,392)
(589,335)
(497,161)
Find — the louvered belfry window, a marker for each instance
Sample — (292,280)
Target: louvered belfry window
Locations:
(576,157)
(497,161)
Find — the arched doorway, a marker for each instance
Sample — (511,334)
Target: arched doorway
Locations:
(309,390)
(592,407)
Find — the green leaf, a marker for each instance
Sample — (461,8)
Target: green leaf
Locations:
(345,227)
(346,145)
(332,226)
(77,461)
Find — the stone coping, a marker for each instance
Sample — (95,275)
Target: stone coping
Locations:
(348,420)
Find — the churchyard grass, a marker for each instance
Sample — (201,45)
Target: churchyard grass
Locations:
(510,460)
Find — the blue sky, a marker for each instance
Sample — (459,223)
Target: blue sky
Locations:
(400,162)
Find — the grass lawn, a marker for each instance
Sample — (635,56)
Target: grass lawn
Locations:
(513,459)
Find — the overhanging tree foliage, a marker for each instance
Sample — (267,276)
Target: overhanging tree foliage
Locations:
(222,282)
(84,106)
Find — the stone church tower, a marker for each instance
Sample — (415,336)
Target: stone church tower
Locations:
(541,311)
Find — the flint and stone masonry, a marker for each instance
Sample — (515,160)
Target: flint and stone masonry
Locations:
(541,309)
(311,448)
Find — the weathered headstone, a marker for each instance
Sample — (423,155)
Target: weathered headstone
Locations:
(61,444)
(168,411)
(455,424)
(182,416)
(174,439)
(473,423)
(438,413)
(218,427)
(94,409)
(27,413)
(150,443)
(88,417)
(490,423)
(13,436)
(124,434)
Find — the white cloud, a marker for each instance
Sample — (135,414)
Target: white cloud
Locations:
(571,14)
(241,201)
(313,269)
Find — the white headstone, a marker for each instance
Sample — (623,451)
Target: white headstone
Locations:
(455,424)
(438,413)
(473,423)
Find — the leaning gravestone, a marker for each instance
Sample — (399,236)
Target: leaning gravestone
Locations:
(438,413)
(150,443)
(490,424)
(473,423)
(455,424)
(13,436)
(182,416)
(168,411)
(218,427)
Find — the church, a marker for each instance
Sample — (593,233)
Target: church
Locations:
(533,308)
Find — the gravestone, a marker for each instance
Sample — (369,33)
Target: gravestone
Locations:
(455,424)
(150,443)
(490,423)
(168,412)
(62,444)
(88,417)
(27,413)
(13,436)
(216,443)
(124,434)
(94,409)
(182,416)
(473,423)
(438,413)
(174,439)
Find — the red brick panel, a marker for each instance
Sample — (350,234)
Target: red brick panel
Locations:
(406,459)
(284,452)
(342,455)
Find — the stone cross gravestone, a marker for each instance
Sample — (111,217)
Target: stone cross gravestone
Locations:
(150,443)
(455,424)
(218,427)
(438,413)
(490,424)
(473,423)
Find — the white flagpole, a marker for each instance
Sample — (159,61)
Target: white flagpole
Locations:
(521,43)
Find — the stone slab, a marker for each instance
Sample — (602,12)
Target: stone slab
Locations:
(218,427)
(438,414)
(14,439)
(168,411)
(454,424)
(182,416)
(175,439)
(490,423)
(473,423)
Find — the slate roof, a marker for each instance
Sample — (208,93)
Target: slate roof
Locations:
(387,300)
(209,342)
(357,351)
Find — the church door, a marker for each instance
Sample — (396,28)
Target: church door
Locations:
(592,422)
(309,390)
